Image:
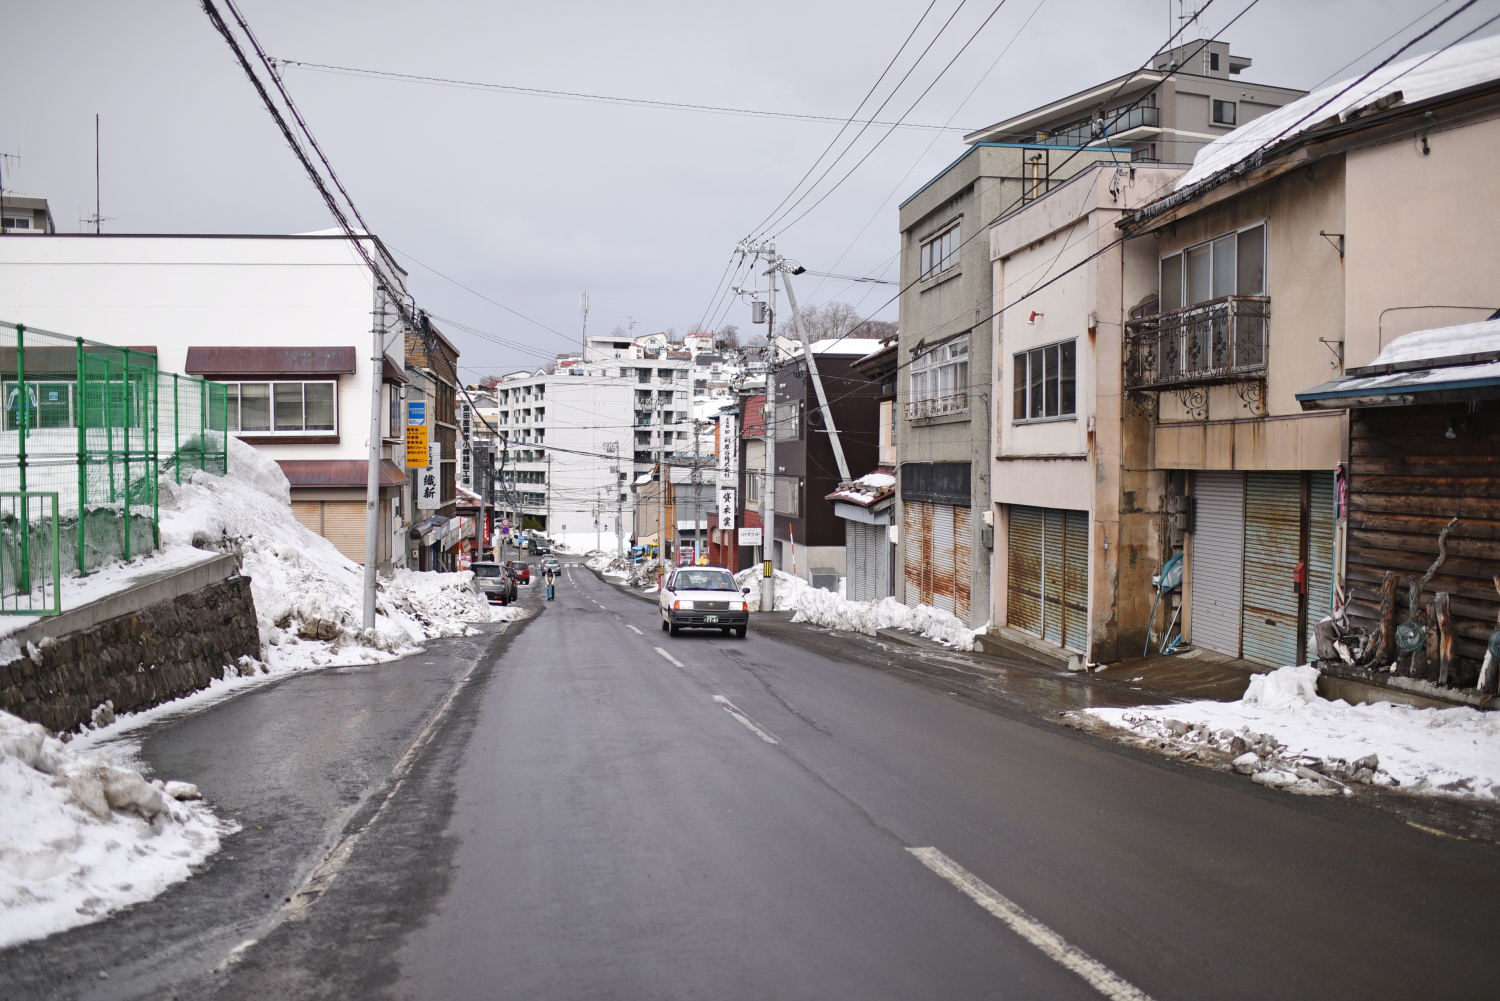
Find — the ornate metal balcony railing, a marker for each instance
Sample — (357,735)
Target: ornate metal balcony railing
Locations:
(953,403)
(1221,341)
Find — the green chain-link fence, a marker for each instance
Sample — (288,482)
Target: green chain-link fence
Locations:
(94,426)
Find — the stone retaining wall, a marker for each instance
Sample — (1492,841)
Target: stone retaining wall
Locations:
(136,661)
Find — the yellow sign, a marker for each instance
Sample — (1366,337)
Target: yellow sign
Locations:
(416,446)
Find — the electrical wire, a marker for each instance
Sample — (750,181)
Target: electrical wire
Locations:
(591,98)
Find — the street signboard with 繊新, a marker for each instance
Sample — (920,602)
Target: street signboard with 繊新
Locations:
(429,485)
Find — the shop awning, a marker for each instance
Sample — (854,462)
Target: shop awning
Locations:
(332,474)
(267,362)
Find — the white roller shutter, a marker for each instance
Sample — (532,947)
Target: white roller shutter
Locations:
(1218,560)
(859,584)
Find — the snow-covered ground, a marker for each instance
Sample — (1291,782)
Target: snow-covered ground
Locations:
(578,543)
(82,837)
(834,611)
(1283,734)
(81,833)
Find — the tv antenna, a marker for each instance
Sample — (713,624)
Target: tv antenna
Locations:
(96,220)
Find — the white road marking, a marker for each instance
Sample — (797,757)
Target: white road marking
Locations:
(734,711)
(634,629)
(1053,946)
(675,662)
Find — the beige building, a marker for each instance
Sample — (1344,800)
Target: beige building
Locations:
(1301,244)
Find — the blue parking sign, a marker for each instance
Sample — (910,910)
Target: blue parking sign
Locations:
(416,412)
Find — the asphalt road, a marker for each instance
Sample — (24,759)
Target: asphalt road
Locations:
(587,808)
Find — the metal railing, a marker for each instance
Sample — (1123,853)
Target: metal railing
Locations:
(30,564)
(1115,122)
(1224,340)
(953,403)
(97,425)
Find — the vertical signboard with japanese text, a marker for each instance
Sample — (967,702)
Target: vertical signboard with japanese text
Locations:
(416,434)
(429,480)
(466,445)
(728,469)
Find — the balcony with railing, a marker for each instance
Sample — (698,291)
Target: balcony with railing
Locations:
(938,406)
(1213,343)
(1115,122)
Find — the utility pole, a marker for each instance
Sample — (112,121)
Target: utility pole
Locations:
(550,486)
(598,501)
(583,307)
(661,494)
(372,471)
(765,312)
(696,507)
(619,522)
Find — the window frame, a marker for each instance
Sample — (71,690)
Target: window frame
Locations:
(1216,111)
(1182,254)
(1022,379)
(925,380)
(236,426)
(927,267)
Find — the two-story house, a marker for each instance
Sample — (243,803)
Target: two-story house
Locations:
(1302,243)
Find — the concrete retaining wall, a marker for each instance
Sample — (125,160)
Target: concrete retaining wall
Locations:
(137,659)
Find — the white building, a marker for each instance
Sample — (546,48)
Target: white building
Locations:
(285,321)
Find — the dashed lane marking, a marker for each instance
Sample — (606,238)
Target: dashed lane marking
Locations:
(673,660)
(1053,946)
(634,629)
(734,711)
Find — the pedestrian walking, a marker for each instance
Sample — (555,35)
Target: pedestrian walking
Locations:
(551,576)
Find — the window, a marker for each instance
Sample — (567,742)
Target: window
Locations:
(1046,382)
(788,421)
(1223,110)
(940,380)
(284,407)
(941,252)
(1233,264)
(752,487)
(1213,64)
(393,393)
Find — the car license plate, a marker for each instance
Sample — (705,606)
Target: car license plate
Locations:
(710,618)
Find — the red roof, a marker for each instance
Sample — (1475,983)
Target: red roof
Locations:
(265,361)
(332,473)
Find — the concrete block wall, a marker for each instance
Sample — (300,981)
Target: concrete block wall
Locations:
(136,660)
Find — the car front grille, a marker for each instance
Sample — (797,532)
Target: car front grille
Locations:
(711,606)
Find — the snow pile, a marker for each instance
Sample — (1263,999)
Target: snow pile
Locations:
(309,597)
(580,543)
(82,837)
(834,611)
(609,566)
(1283,734)
(789,589)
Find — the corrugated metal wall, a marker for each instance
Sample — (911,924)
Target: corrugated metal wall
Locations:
(937,539)
(1319,547)
(1273,548)
(1024,569)
(916,551)
(867,561)
(1048,574)
(1218,560)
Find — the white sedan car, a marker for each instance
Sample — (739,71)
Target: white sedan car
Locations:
(703,598)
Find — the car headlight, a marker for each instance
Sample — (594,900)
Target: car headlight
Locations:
(683,605)
(736,606)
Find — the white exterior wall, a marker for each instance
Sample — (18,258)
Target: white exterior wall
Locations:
(174,292)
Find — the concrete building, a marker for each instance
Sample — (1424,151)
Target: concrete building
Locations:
(25,216)
(285,321)
(946,343)
(1073,507)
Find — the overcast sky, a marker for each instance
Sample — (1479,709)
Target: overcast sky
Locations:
(529,200)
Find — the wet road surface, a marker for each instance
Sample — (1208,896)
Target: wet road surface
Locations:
(602,811)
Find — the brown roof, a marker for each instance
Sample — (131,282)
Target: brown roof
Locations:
(263,361)
(338,472)
(392,372)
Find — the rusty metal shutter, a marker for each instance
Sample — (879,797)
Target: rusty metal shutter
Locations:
(1218,561)
(1273,542)
(916,551)
(1024,569)
(344,526)
(1075,574)
(944,566)
(963,556)
(1319,547)
(1053,534)
(309,514)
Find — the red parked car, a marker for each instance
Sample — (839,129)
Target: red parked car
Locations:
(523,571)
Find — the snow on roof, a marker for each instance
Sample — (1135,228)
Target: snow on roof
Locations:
(867,490)
(1441,345)
(1418,79)
(846,346)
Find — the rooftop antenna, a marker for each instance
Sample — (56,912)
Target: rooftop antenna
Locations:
(583,307)
(5,159)
(97,219)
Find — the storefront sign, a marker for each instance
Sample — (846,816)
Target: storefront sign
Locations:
(429,480)
(466,445)
(726,506)
(416,446)
(750,536)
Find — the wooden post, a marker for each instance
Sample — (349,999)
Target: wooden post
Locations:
(1385,643)
(1444,616)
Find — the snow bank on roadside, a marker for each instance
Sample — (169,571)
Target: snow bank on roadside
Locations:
(825,608)
(579,543)
(1282,734)
(609,564)
(309,597)
(789,589)
(83,837)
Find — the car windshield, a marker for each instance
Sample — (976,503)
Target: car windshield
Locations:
(486,570)
(705,580)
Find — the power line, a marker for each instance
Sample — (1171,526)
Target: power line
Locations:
(591,98)
(486,298)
